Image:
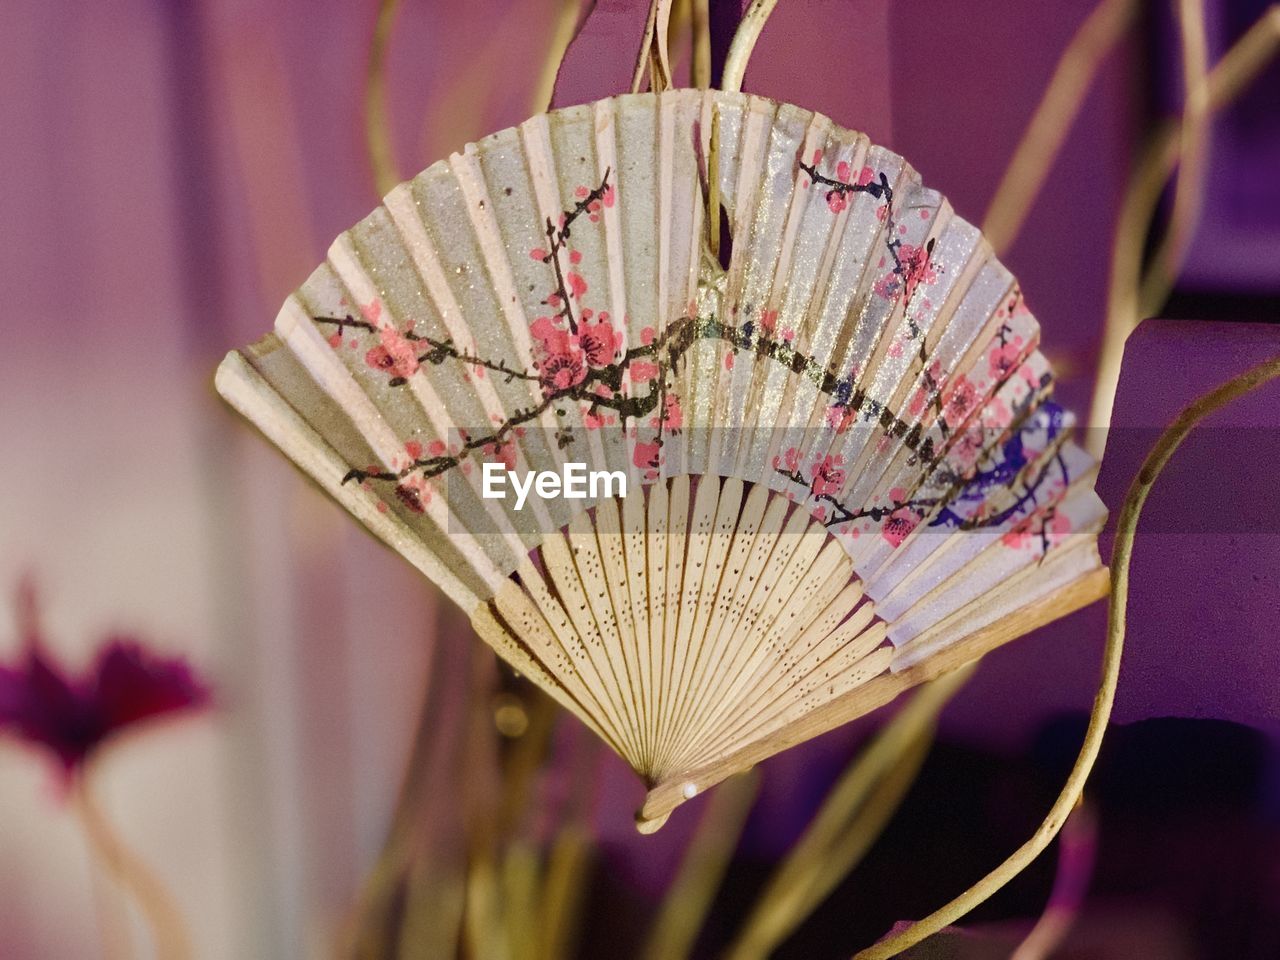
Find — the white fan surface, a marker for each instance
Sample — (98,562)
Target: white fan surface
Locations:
(845,472)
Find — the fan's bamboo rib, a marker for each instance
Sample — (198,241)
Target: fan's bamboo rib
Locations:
(822,615)
(677,538)
(669,794)
(515,653)
(764,516)
(656,516)
(588,662)
(857,662)
(548,640)
(838,623)
(1042,581)
(636,559)
(296,330)
(907,568)
(540,159)
(792,556)
(591,572)
(827,439)
(705,560)
(765,393)
(604,120)
(853,640)
(795,603)
(561,565)
(843,617)
(748,204)
(407,217)
(892,472)
(347,266)
(698,542)
(843,674)
(246,390)
(796,419)
(480,211)
(608,532)
(728,510)
(736,583)
(771,550)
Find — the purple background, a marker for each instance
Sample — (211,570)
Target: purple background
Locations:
(171,170)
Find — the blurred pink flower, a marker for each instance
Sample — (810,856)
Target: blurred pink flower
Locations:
(72,716)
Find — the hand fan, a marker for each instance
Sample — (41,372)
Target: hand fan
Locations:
(765,489)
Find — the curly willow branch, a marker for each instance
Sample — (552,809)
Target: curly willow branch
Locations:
(168,930)
(1131,295)
(377,126)
(653,55)
(744,41)
(852,817)
(565,24)
(1193,145)
(1044,136)
(1126,528)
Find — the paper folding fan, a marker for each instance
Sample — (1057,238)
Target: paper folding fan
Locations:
(843,471)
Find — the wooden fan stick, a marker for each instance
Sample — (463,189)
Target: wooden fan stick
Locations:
(666,796)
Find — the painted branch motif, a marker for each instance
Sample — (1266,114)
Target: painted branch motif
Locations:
(580,358)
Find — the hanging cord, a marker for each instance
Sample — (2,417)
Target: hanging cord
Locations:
(654,54)
(1126,528)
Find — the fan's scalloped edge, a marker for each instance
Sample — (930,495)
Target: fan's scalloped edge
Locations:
(664,797)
